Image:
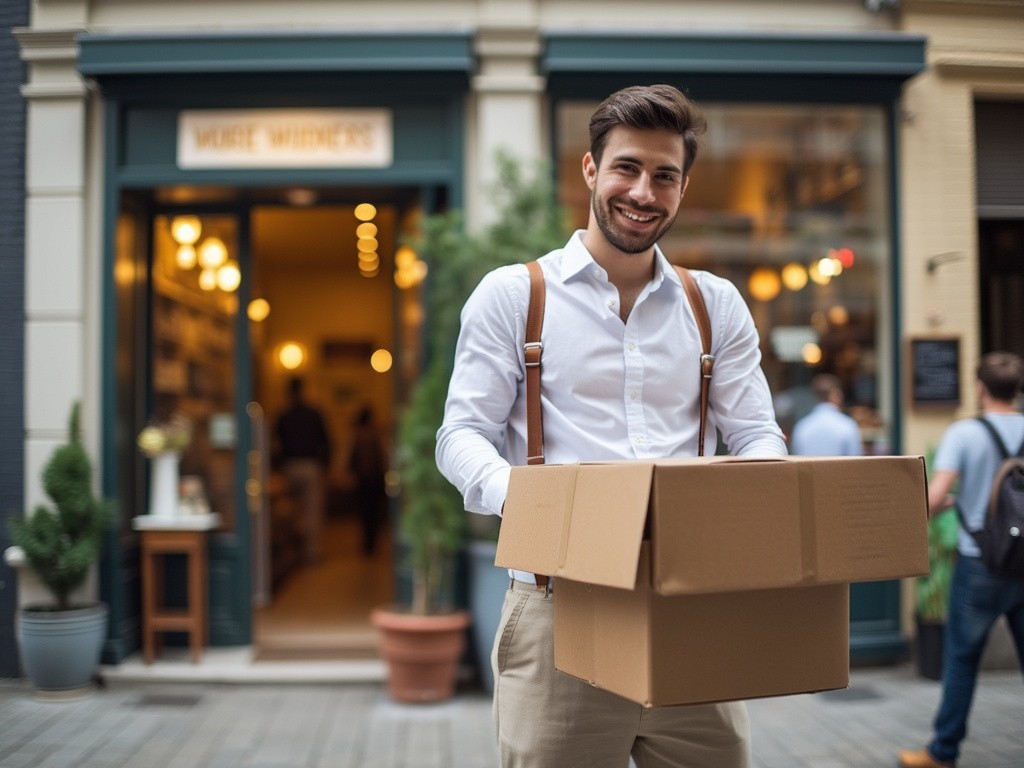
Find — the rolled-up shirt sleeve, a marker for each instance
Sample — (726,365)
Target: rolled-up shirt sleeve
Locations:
(483,388)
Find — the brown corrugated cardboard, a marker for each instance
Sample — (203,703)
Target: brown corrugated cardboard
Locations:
(684,649)
(710,579)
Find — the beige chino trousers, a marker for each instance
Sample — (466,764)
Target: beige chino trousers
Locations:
(547,719)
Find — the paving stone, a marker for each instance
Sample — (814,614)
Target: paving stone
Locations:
(209,725)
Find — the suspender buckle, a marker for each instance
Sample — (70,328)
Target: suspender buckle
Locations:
(707,364)
(532,352)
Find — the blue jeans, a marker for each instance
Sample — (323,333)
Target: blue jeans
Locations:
(976,601)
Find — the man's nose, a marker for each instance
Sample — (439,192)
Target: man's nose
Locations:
(642,192)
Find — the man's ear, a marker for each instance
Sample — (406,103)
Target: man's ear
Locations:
(686,183)
(589,170)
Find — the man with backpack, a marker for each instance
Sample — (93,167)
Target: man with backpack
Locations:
(969,454)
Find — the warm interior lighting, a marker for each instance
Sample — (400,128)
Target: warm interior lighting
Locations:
(366,229)
(811,354)
(212,253)
(794,276)
(405,257)
(764,284)
(838,315)
(410,270)
(830,266)
(229,277)
(381,361)
(366,244)
(186,229)
(259,310)
(291,355)
(846,257)
(814,272)
(208,279)
(185,257)
(365,211)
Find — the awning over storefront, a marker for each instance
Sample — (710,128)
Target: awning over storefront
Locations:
(860,67)
(106,55)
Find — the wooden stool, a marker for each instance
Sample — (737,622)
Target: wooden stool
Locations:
(161,538)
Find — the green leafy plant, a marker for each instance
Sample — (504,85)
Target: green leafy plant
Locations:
(61,543)
(529,224)
(933,589)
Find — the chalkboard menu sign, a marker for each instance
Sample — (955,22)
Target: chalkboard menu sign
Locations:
(935,371)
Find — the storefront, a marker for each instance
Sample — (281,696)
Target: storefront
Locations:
(795,197)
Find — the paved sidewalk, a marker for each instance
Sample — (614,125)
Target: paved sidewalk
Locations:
(161,724)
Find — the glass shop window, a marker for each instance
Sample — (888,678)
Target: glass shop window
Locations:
(792,204)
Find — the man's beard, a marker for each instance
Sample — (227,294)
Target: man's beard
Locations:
(627,242)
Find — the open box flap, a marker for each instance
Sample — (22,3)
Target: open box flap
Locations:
(536,514)
(607,527)
(582,522)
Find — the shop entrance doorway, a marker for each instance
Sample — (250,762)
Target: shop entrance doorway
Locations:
(324,274)
(322,310)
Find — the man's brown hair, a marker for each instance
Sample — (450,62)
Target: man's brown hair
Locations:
(648,107)
(1002,374)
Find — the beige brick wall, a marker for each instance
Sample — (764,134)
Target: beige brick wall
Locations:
(974,50)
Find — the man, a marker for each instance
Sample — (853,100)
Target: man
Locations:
(826,430)
(305,452)
(621,380)
(977,597)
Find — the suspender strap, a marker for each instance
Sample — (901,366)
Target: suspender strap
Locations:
(707,360)
(532,350)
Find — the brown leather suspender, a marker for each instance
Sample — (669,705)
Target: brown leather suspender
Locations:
(707,360)
(533,350)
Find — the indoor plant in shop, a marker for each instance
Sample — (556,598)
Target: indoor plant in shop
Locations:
(432,525)
(61,641)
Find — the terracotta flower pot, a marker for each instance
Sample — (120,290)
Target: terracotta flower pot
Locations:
(422,652)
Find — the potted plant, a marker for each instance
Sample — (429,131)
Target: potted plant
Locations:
(432,523)
(61,641)
(933,592)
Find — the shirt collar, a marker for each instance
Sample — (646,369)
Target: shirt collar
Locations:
(577,259)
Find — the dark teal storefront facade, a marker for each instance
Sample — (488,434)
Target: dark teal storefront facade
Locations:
(426,80)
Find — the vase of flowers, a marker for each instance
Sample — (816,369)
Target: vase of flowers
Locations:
(163,445)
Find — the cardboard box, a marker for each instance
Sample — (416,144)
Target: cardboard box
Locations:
(689,580)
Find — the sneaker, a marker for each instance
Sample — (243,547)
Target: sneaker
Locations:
(921,758)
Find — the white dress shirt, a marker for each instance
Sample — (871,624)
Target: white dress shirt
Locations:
(609,389)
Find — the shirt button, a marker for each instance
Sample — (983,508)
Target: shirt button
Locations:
(632,346)
(632,395)
(611,303)
(638,440)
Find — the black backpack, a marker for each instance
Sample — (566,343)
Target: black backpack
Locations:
(1001,539)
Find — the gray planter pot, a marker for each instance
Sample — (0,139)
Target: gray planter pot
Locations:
(60,650)
(488,585)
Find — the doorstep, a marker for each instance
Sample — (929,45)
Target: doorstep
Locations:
(239,665)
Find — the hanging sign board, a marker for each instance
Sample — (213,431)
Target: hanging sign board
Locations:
(285,138)
(935,370)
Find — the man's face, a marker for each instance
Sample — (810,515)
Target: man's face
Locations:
(636,191)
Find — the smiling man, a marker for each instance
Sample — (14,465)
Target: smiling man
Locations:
(621,380)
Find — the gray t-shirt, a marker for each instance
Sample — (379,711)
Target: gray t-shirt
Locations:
(968,449)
